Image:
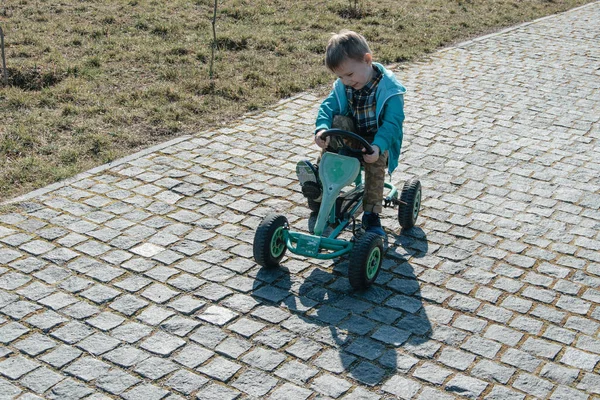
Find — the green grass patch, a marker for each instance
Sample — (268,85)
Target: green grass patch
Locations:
(93,81)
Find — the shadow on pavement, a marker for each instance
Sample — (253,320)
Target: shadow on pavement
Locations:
(368,332)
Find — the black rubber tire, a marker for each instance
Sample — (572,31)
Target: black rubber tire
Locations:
(313,205)
(262,248)
(359,260)
(411,195)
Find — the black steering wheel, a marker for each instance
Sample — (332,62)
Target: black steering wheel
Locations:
(345,149)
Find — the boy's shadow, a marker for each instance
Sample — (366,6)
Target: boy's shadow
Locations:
(371,333)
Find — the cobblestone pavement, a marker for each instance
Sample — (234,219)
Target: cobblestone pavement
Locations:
(136,280)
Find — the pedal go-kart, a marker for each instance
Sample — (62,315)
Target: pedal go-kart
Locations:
(337,210)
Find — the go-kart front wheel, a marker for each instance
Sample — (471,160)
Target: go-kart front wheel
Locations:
(410,203)
(365,261)
(269,241)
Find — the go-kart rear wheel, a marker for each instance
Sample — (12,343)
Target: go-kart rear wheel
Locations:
(269,241)
(410,198)
(365,261)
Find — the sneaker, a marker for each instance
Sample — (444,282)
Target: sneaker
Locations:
(372,223)
(308,175)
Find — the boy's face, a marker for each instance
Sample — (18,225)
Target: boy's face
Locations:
(354,73)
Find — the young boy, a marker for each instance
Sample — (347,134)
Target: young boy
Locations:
(368,100)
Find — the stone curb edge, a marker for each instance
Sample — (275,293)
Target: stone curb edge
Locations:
(91,172)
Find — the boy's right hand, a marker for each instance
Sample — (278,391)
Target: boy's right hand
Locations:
(320,142)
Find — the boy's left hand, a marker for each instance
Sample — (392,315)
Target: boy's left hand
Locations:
(371,158)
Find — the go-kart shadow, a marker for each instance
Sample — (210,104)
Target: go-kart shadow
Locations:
(369,334)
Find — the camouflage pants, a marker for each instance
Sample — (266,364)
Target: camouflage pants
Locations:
(374,172)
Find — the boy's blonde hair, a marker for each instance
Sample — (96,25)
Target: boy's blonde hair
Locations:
(344,45)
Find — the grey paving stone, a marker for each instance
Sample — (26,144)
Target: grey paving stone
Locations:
(17,366)
(492,371)
(126,356)
(541,348)
(527,324)
(303,348)
(192,355)
(35,344)
(503,335)
(219,368)
(20,309)
(155,367)
(186,282)
(241,303)
(503,393)
(128,304)
(334,361)
(162,343)
(106,321)
(482,347)
(264,359)
(98,343)
(131,332)
(100,294)
(289,391)
(368,373)
(186,304)
(559,334)
(465,386)
(12,331)
(179,326)
(185,382)
(533,385)
(233,347)
(567,393)
(13,280)
(41,379)
(145,391)
(116,381)
(69,389)
(390,335)
(520,360)
(560,374)
(87,368)
(217,315)
(361,394)
(58,300)
(330,385)
(154,315)
(366,348)
(81,310)
(580,359)
(401,387)
(217,392)
(208,336)
(469,323)
(61,356)
(159,293)
(75,284)
(432,373)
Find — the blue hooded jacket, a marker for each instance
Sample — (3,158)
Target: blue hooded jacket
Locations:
(389,113)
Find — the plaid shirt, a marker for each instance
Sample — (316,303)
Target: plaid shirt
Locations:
(363,105)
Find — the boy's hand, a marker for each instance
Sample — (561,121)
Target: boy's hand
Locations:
(371,158)
(320,142)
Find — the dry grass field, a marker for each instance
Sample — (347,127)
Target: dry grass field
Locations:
(92,81)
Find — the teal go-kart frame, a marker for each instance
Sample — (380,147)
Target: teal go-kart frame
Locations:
(338,211)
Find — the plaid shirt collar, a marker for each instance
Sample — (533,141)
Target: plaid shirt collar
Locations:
(363,104)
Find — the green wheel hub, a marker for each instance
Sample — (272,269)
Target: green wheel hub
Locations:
(417,205)
(373,263)
(277,243)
